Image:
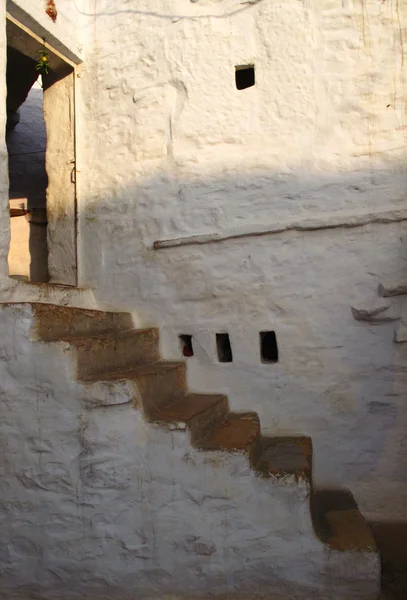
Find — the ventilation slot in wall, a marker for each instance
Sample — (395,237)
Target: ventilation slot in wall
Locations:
(186,345)
(268,347)
(244,76)
(223,347)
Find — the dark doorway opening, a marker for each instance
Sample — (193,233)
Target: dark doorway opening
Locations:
(26,145)
(42,160)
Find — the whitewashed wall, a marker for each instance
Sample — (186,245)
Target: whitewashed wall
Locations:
(169,148)
(173,149)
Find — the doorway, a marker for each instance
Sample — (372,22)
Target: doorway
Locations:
(40,138)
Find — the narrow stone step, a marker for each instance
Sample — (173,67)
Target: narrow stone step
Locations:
(156,384)
(157,368)
(397,289)
(56,322)
(236,433)
(198,412)
(283,456)
(339,523)
(391,539)
(400,336)
(100,355)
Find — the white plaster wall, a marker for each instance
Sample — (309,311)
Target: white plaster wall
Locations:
(96,503)
(169,148)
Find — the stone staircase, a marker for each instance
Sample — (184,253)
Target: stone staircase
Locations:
(105,350)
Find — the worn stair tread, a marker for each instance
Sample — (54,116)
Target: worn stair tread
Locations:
(154,368)
(108,337)
(53,321)
(349,531)
(186,408)
(237,432)
(391,539)
(339,522)
(395,289)
(114,352)
(282,456)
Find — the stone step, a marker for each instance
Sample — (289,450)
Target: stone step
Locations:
(283,457)
(400,336)
(101,355)
(197,412)
(157,384)
(395,289)
(391,539)
(339,523)
(54,322)
(236,433)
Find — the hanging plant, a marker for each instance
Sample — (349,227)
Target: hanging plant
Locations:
(51,10)
(43,65)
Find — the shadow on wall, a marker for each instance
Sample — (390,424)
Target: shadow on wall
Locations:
(331,240)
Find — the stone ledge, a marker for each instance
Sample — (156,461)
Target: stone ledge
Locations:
(319,222)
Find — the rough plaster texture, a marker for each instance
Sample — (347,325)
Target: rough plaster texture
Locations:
(167,147)
(97,503)
(185,153)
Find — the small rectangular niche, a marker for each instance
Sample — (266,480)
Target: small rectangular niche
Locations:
(268,347)
(186,345)
(224,348)
(244,76)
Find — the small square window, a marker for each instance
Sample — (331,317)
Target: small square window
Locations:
(244,76)
(186,345)
(268,347)
(223,347)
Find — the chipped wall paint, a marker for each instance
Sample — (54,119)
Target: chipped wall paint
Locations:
(167,147)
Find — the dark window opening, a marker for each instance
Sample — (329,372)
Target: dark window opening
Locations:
(244,76)
(223,347)
(268,347)
(186,345)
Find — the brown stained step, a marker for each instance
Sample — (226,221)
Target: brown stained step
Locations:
(159,367)
(100,355)
(54,322)
(339,523)
(158,384)
(237,432)
(391,539)
(283,456)
(198,412)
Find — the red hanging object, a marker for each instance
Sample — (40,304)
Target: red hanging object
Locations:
(51,10)
(187,351)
